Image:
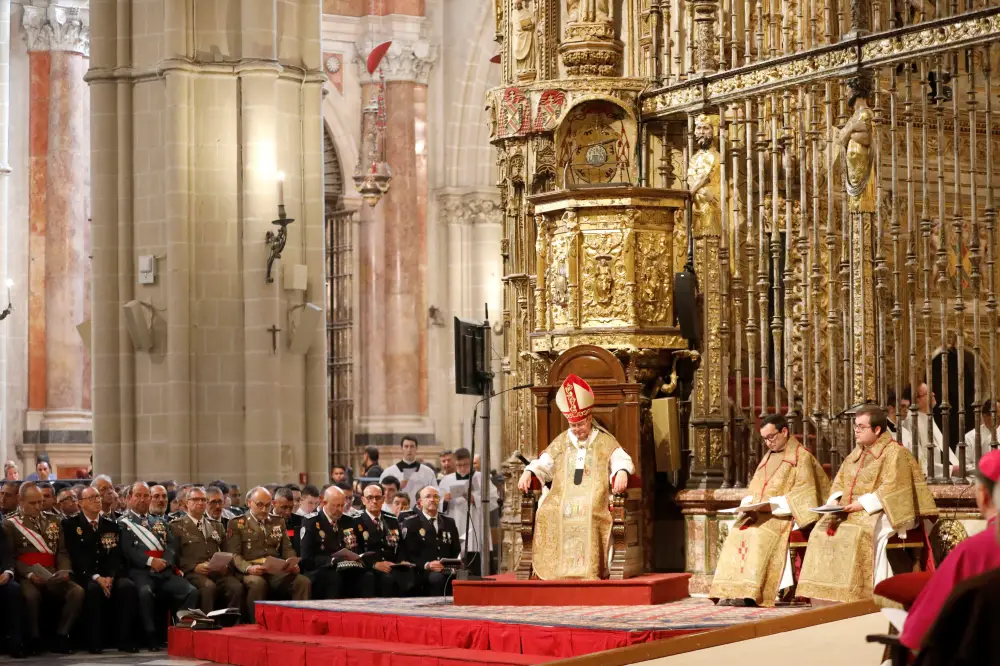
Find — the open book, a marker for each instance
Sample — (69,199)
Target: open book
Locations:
(44,574)
(195,618)
(276,565)
(220,562)
(746,508)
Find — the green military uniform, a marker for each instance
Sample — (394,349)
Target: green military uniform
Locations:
(41,543)
(195,543)
(251,542)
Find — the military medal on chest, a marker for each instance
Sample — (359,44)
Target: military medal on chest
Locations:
(109,540)
(350,541)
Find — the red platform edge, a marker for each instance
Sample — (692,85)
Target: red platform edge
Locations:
(506,590)
(285,635)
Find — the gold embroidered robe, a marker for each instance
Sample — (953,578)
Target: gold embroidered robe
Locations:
(840,557)
(756,550)
(573,525)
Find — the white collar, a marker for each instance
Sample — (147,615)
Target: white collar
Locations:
(374,519)
(576,441)
(194,520)
(432,519)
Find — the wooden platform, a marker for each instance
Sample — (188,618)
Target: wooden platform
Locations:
(505,590)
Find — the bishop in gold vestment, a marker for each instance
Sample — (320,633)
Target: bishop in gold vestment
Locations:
(584,464)
(881,491)
(754,563)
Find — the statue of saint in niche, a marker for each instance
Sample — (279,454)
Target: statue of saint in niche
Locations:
(588,11)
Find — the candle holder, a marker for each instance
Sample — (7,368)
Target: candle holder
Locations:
(276,240)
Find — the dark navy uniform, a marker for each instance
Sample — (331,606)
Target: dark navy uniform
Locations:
(384,538)
(144,538)
(97,553)
(425,541)
(11,601)
(334,579)
(293,526)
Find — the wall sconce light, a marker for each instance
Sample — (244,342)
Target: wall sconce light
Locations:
(10,306)
(276,241)
(436,317)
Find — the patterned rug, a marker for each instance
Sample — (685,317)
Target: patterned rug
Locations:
(685,614)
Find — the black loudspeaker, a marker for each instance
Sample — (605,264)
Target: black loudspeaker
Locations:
(686,305)
(470,356)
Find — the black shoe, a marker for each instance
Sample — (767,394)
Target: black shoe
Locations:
(153,643)
(131,649)
(61,645)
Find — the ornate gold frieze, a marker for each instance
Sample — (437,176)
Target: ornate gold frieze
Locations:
(560,341)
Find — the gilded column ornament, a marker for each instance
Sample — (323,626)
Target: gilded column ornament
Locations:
(858,158)
(524,40)
(590,46)
(704,184)
(706,55)
(541,271)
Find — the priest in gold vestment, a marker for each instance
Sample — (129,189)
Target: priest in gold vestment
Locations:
(754,564)
(585,464)
(880,491)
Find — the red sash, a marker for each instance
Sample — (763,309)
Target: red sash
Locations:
(158,554)
(47,560)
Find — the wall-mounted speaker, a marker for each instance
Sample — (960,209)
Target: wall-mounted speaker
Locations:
(304,333)
(138,329)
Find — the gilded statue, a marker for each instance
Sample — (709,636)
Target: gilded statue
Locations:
(588,11)
(703,179)
(524,40)
(856,148)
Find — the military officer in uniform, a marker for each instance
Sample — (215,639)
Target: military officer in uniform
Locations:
(326,532)
(254,537)
(158,500)
(216,506)
(196,538)
(380,534)
(284,504)
(150,559)
(11,601)
(37,540)
(95,556)
(428,538)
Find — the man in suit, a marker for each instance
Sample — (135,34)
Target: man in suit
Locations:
(37,540)
(325,533)
(380,534)
(195,538)
(284,503)
(11,601)
(95,556)
(150,561)
(252,539)
(429,537)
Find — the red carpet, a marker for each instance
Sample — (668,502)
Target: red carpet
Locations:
(506,590)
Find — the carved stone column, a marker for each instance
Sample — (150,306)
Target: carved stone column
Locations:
(706,53)
(393,253)
(65,35)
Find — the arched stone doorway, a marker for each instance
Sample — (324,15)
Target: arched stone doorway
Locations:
(340,306)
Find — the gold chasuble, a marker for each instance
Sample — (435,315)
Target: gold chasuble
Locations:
(573,525)
(756,550)
(840,558)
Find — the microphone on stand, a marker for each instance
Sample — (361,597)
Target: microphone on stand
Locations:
(484,489)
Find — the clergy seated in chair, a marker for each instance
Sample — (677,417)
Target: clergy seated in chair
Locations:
(754,566)
(879,491)
(585,464)
(972,557)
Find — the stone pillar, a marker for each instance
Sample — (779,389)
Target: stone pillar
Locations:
(195,186)
(706,43)
(64,34)
(4,204)
(394,263)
